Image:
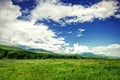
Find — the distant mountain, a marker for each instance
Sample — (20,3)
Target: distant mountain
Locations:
(40,50)
(12,52)
(34,50)
(91,54)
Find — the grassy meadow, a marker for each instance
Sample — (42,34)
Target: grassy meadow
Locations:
(60,69)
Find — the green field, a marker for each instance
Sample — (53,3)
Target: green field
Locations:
(60,69)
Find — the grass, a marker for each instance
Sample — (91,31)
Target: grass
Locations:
(60,69)
(12,52)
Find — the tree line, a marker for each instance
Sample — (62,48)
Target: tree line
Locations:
(24,54)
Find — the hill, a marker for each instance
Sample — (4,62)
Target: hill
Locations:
(12,52)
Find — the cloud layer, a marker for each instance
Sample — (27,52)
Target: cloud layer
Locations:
(111,50)
(56,10)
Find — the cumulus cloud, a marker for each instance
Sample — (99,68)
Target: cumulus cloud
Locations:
(8,12)
(80,48)
(27,34)
(15,32)
(110,50)
(75,49)
(56,10)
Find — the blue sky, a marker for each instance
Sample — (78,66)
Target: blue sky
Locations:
(73,26)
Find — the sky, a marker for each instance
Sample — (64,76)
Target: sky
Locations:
(62,26)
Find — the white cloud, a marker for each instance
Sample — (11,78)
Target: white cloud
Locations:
(70,32)
(8,12)
(56,10)
(79,32)
(79,35)
(15,32)
(68,50)
(110,50)
(25,11)
(74,49)
(117,16)
(27,34)
(19,1)
(80,48)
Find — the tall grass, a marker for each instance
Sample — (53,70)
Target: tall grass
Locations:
(59,69)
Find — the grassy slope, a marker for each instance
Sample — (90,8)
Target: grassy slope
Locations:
(79,69)
(5,47)
(12,52)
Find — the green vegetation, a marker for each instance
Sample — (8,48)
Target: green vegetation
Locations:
(12,52)
(53,66)
(60,69)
